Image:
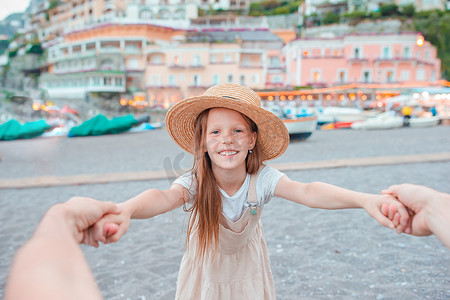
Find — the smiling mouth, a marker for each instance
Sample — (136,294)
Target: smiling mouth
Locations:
(227,153)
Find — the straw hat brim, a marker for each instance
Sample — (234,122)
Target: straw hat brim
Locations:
(272,139)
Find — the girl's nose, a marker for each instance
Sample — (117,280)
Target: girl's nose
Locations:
(227,138)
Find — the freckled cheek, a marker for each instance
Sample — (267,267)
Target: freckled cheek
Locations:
(210,143)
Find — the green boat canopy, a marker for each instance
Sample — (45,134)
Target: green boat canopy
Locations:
(13,130)
(100,125)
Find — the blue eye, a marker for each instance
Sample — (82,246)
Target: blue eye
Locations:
(215,132)
(238,130)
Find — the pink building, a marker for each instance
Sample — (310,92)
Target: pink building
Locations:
(361,58)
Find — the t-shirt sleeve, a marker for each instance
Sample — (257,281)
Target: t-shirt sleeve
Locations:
(186,181)
(267,181)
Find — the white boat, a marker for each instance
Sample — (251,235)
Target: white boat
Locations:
(339,114)
(384,120)
(424,122)
(301,128)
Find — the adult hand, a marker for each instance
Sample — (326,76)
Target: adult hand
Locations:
(82,213)
(51,265)
(430,210)
(416,198)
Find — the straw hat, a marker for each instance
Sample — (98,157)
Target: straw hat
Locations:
(273,137)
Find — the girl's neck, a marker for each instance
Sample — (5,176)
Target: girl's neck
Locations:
(230,180)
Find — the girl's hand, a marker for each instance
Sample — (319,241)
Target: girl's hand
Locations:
(111,227)
(389,212)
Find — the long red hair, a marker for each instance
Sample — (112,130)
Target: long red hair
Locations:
(207,207)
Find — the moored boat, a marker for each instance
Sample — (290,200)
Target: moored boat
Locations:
(333,114)
(424,122)
(384,120)
(300,128)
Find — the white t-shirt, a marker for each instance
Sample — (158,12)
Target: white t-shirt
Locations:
(233,207)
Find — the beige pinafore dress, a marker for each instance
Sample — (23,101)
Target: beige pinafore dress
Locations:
(239,270)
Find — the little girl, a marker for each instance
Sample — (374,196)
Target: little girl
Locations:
(230,135)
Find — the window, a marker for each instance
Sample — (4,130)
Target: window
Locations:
(196,79)
(176,60)
(405,75)
(274,62)
(357,53)
(342,77)
(277,79)
(246,61)
(228,58)
(155,80)
(366,76)
(420,75)
(216,79)
(255,79)
(172,80)
(146,14)
(406,52)
(316,75)
(196,60)
(390,76)
(230,78)
(387,52)
(133,64)
(118,81)
(107,81)
(213,58)
(156,59)
(242,79)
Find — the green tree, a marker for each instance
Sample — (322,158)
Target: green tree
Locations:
(436,29)
(331,18)
(283,10)
(408,10)
(270,4)
(389,10)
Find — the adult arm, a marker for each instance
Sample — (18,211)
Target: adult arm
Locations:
(51,264)
(431,210)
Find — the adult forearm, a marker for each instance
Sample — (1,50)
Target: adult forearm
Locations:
(438,217)
(51,264)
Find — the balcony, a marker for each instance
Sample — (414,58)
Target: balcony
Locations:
(177,67)
(196,66)
(163,87)
(250,66)
(275,68)
(358,59)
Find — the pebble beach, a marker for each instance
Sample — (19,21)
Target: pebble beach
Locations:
(315,254)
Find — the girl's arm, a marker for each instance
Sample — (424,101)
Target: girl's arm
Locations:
(154,202)
(327,196)
(145,205)
(319,194)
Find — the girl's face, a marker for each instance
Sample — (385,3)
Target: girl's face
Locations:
(228,139)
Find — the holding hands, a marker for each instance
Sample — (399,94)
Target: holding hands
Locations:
(429,211)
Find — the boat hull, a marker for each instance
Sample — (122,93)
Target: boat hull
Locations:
(301,128)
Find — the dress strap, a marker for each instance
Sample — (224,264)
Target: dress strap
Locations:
(252,199)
